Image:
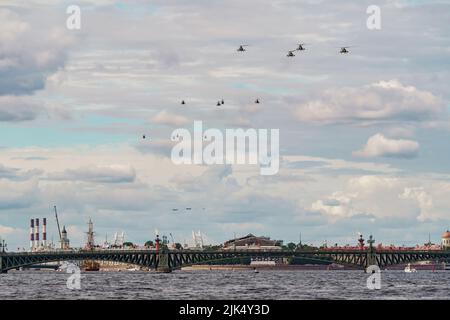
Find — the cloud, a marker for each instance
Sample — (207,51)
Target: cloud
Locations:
(384,101)
(16,109)
(17,174)
(380,146)
(166,118)
(4,230)
(97,174)
(18,195)
(28,54)
(338,204)
(423,199)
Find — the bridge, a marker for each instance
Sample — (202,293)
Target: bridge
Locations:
(168,260)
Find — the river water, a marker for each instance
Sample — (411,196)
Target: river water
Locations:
(244,284)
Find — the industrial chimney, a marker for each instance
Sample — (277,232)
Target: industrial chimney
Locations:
(32,234)
(36,237)
(44,232)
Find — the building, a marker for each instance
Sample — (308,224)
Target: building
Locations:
(65,243)
(251,242)
(446,240)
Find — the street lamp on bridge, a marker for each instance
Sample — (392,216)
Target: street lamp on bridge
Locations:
(3,246)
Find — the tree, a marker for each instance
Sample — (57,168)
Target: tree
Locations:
(149,244)
(291,246)
(128,244)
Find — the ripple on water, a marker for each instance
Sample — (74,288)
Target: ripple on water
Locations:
(206,284)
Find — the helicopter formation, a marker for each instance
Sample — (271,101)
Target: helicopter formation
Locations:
(290,54)
(177,210)
(300,47)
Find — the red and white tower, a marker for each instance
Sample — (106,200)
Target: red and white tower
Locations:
(44,232)
(36,236)
(32,234)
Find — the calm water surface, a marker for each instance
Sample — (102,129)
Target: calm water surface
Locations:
(245,284)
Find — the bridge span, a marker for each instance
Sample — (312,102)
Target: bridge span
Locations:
(168,260)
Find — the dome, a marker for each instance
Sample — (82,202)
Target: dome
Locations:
(446,235)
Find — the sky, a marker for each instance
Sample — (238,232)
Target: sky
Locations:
(363,136)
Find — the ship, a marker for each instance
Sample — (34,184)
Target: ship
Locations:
(90,265)
(409,269)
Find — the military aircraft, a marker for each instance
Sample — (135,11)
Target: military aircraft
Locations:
(290,53)
(301,47)
(182,102)
(257,101)
(344,50)
(241,47)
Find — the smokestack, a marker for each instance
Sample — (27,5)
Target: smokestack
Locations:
(36,237)
(44,232)
(32,234)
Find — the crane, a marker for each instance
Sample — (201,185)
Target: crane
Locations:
(57,222)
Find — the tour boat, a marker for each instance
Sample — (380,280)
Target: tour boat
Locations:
(408,268)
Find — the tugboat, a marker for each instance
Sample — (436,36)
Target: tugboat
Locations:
(90,265)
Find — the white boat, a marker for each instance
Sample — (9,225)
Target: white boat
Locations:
(133,269)
(408,268)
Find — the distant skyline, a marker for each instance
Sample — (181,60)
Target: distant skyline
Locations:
(363,136)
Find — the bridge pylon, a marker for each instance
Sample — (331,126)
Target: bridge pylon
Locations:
(371,254)
(163,263)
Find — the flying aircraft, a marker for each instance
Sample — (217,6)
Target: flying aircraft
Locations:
(257,100)
(344,50)
(143,136)
(241,47)
(223,102)
(218,103)
(182,102)
(290,53)
(301,47)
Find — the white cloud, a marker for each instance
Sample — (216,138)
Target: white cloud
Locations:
(338,204)
(4,230)
(98,174)
(424,200)
(28,53)
(380,146)
(381,101)
(166,118)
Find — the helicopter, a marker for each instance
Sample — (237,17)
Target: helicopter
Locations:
(301,47)
(290,53)
(241,47)
(344,50)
